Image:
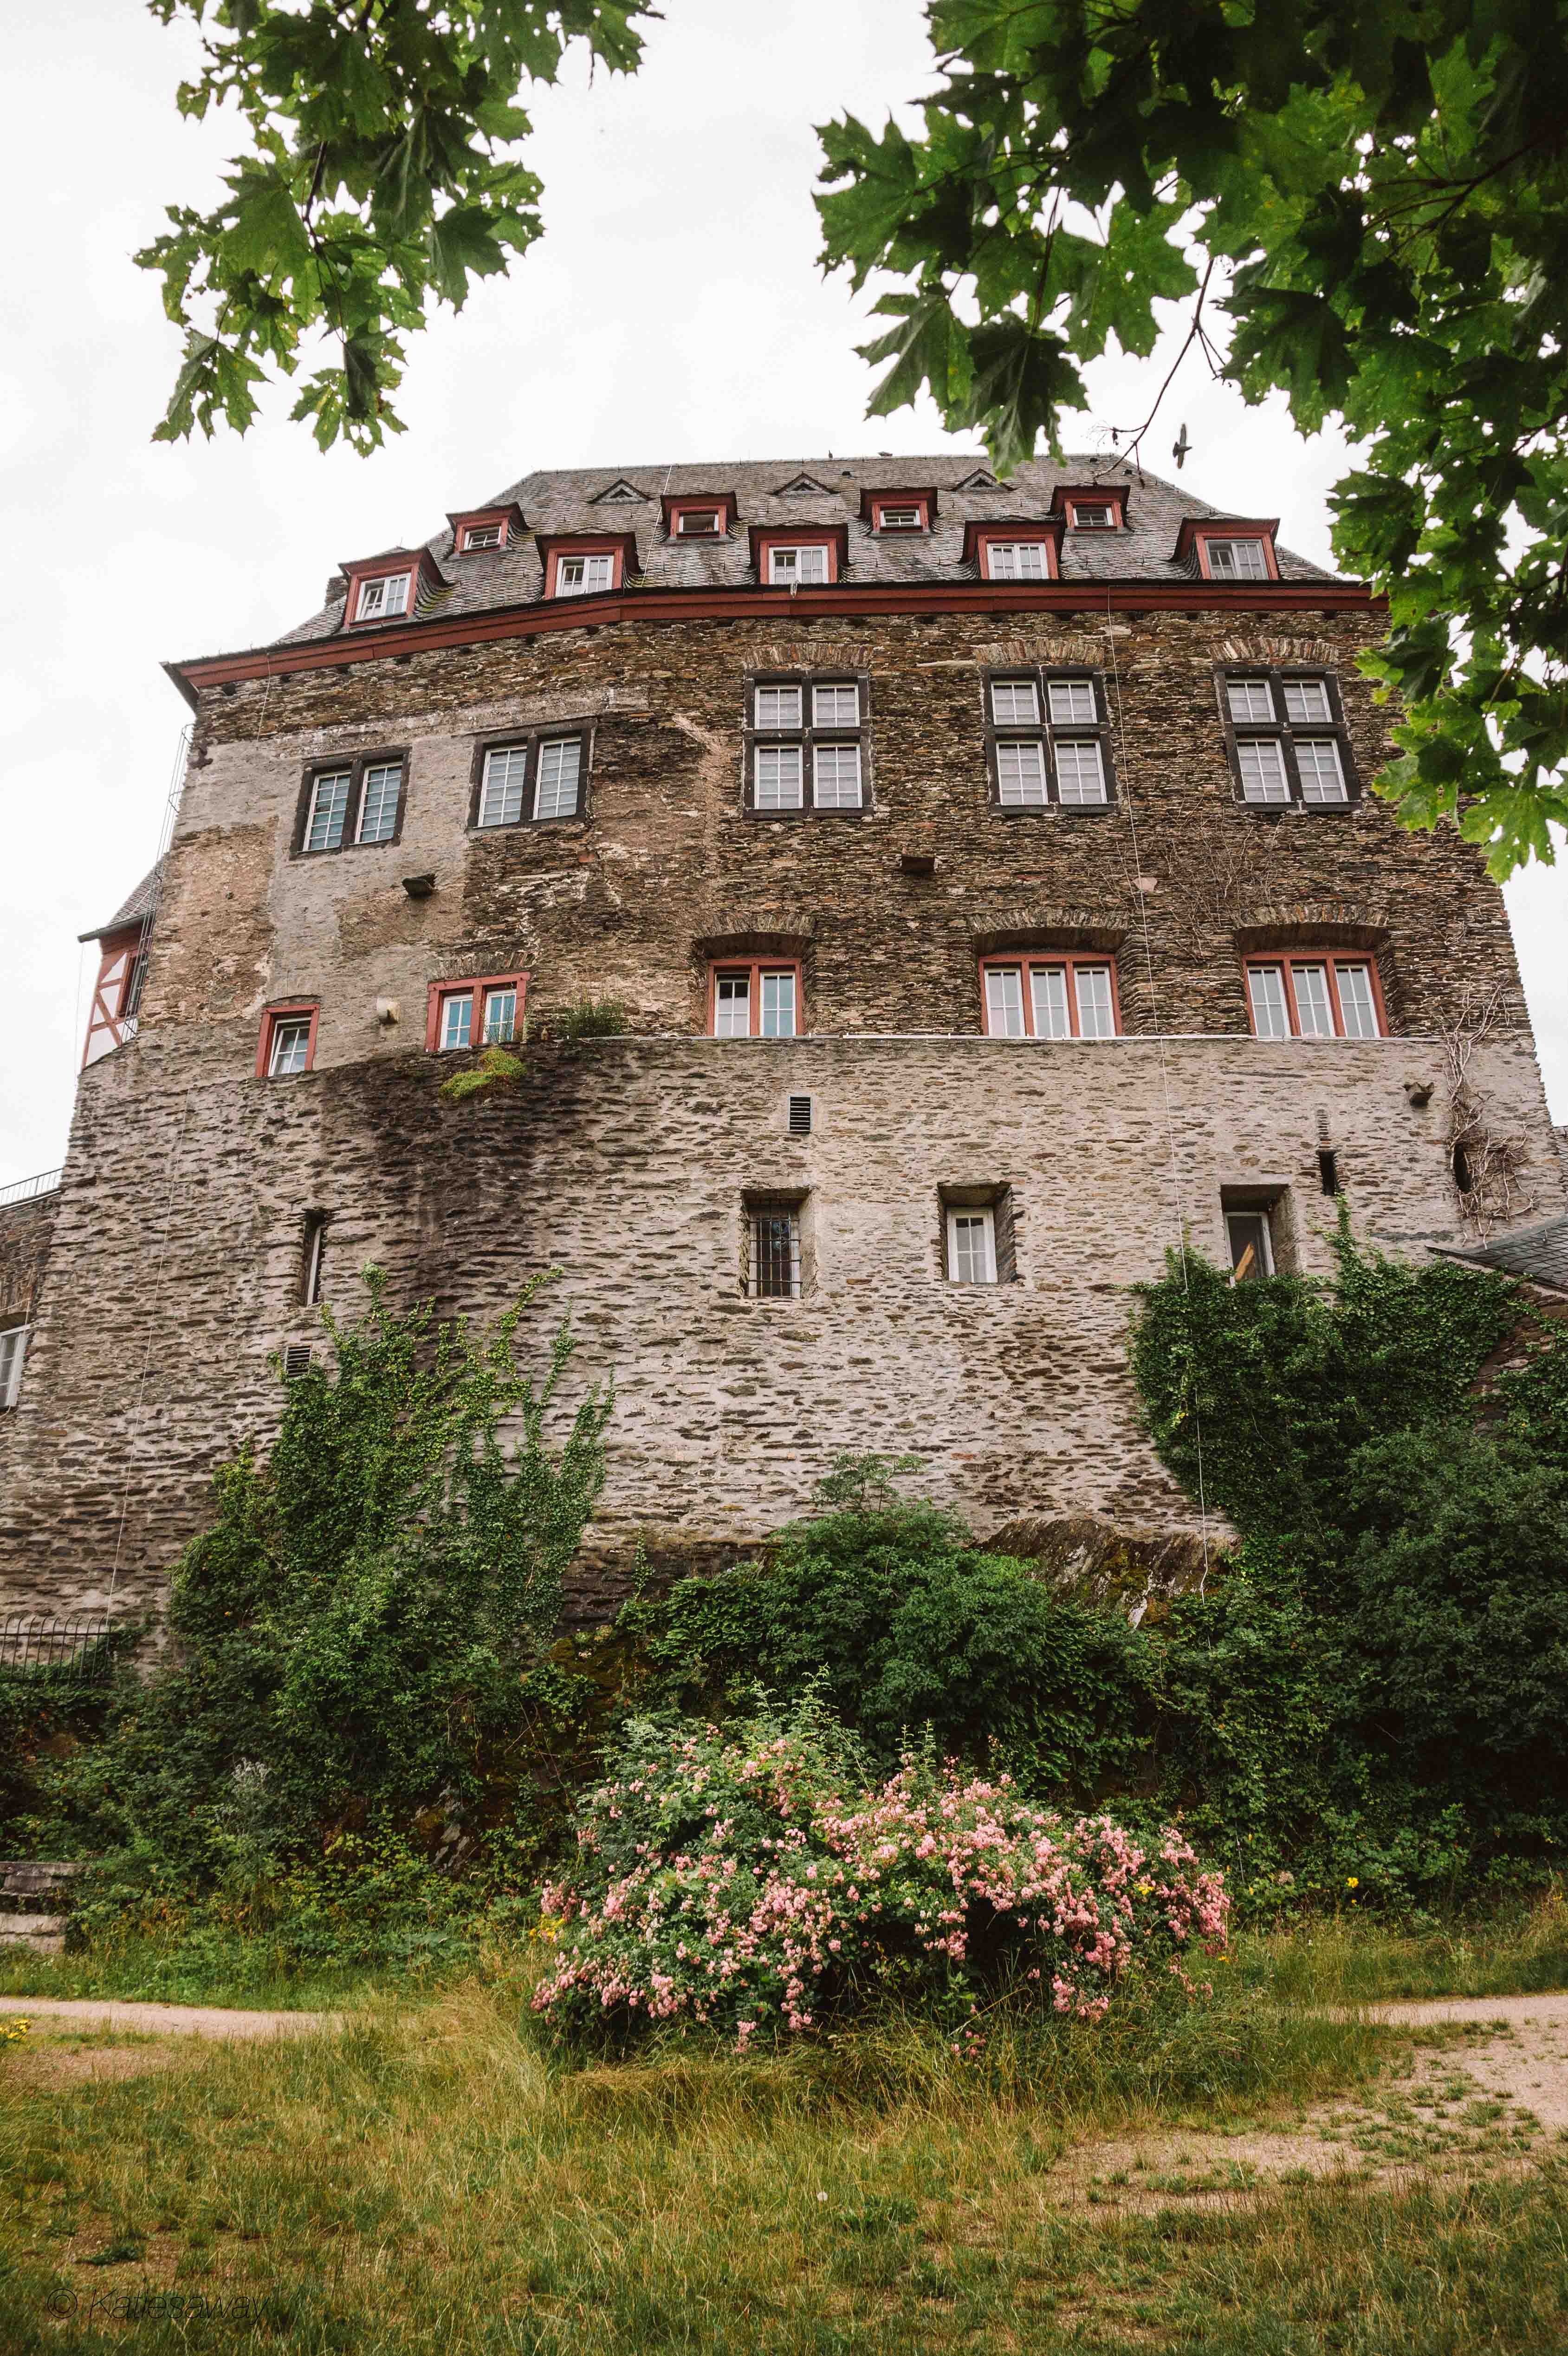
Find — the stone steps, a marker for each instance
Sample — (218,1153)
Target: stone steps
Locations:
(22,1877)
(45,1934)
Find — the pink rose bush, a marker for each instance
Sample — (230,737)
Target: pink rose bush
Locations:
(739,1881)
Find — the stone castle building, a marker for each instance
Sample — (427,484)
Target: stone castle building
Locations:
(974,887)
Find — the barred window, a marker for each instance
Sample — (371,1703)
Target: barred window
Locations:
(772,1260)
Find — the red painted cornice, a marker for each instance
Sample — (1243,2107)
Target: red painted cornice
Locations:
(1009,600)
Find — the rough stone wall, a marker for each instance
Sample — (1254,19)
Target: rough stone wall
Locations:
(626,1164)
(177,1264)
(24,1232)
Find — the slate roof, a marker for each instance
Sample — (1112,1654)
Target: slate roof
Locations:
(611,500)
(1539,1254)
(138,904)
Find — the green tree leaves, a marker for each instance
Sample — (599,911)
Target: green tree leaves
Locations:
(375,182)
(1380,192)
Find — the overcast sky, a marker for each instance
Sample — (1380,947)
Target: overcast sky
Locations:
(673,311)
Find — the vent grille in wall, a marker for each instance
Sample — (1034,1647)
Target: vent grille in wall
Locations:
(297,1358)
(800,1116)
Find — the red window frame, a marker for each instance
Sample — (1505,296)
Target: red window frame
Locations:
(1332,959)
(293,1010)
(1194,536)
(610,544)
(359,582)
(880,502)
(977,539)
(478,983)
(755,968)
(717,503)
(828,536)
(1023,961)
(1067,498)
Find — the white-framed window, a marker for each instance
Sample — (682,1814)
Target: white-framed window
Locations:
(1072,702)
(1020,773)
(697,523)
(773,1271)
(456,1021)
(501,787)
(1092,515)
(1096,1001)
(1015,703)
(482,535)
(1236,559)
(500,1015)
(1318,762)
(1250,699)
(779,775)
(835,703)
(581,576)
(777,707)
(1005,1002)
(1357,1002)
(1314,1005)
(1305,700)
(799,567)
(1314,996)
(901,519)
(1049,997)
(778,1006)
(1017,559)
(732,1006)
(836,780)
(13,1352)
(1261,761)
(290,1050)
(383,599)
(378,801)
(1270,1008)
(1080,772)
(971,1244)
(328,810)
(560,766)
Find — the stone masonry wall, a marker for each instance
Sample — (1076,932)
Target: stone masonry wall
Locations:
(626,1164)
(24,1232)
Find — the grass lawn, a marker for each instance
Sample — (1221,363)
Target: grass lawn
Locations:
(436,2180)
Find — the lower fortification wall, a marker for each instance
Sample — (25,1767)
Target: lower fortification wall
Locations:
(176,1264)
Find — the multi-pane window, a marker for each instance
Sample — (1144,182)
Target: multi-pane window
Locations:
(1236,559)
(350,802)
(482,535)
(806,745)
(1049,997)
(772,1261)
(579,576)
(971,1244)
(539,780)
(1092,515)
(13,1351)
(383,599)
(1285,735)
(895,518)
(755,998)
(289,1051)
(1015,560)
(1314,995)
(378,801)
(1049,740)
(483,1013)
(800,566)
(697,523)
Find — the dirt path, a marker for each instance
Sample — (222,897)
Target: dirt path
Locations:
(168,2020)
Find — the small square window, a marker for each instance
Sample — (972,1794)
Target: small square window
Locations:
(900,519)
(1236,559)
(837,777)
(1305,700)
(773,1272)
(836,705)
(501,791)
(798,567)
(780,774)
(697,523)
(777,707)
(1088,517)
(1015,703)
(1017,559)
(1250,699)
(1079,772)
(456,1021)
(383,599)
(290,1049)
(560,764)
(328,811)
(379,802)
(971,1246)
(1322,779)
(1020,774)
(1071,702)
(1262,765)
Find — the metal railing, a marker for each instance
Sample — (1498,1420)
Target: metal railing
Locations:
(76,1647)
(22,1190)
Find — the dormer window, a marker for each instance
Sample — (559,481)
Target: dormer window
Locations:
(581,576)
(699,515)
(1091,507)
(1088,514)
(481,535)
(586,564)
(898,511)
(1016,551)
(697,523)
(383,599)
(1228,548)
(798,566)
(482,529)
